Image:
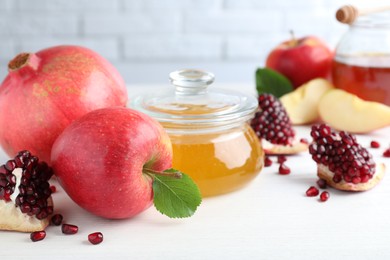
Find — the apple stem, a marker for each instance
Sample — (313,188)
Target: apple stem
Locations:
(294,41)
(175,174)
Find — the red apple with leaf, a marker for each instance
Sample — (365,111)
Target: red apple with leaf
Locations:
(115,162)
(301,60)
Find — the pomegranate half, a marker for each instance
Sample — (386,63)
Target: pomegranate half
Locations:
(45,91)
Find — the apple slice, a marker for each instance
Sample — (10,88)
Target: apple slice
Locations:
(345,111)
(301,104)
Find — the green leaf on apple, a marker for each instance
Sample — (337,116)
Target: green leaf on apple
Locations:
(176,197)
(272,82)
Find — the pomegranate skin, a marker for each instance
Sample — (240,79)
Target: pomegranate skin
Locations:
(99,161)
(46,91)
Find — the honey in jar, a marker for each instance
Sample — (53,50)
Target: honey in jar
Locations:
(367,76)
(362,58)
(211,138)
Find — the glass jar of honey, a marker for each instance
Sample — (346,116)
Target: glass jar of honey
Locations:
(362,60)
(211,138)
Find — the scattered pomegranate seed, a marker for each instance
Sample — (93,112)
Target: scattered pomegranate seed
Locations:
(56,219)
(267,161)
(283,169)
(322,183)
(69,229)
(375,144)
(304,141)
(95,238)
(324,196)
(386,153)
(53,188)
(312,191)
(282,159)
(37,235)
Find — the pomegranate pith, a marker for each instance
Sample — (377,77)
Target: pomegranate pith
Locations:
(95,238)
(37,235)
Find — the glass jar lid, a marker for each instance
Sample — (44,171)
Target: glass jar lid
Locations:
(192,106)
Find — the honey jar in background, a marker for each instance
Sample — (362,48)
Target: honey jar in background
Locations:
(362,60)
(211,138)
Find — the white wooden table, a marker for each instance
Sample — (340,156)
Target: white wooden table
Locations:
(271,218)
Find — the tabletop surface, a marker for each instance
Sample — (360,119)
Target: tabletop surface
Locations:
(271,218)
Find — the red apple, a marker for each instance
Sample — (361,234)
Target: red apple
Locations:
(100,158)
(301,60)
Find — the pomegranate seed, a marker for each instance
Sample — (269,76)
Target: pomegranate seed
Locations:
(95,238)
(304,141)
(283,169)
(375,144)
(324,196)
(282,159)
(56,219)
(267,161)
(69,229)
(37,235)
(321,183)
(386,153)
(312,191)
(53,188)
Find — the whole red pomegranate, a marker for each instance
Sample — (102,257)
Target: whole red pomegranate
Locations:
(45,91)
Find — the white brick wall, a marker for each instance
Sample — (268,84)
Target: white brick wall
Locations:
(146,39)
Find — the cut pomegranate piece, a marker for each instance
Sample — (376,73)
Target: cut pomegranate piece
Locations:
(95,238)
(37,235)
(324,196)
(342,162)
(273,127)
(25,194)
(312,192)
(69,229)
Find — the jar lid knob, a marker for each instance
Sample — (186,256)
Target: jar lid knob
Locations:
(191,81)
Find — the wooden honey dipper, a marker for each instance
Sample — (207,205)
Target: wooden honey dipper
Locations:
(348,13)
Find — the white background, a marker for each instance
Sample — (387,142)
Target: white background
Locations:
(147,39)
